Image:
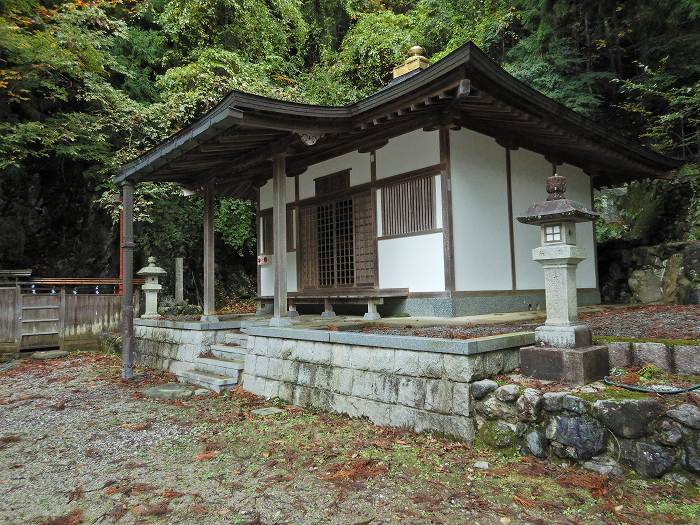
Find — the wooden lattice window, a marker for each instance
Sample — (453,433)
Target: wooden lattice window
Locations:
(267,245)
(336,260)
(333,183)
(408,206)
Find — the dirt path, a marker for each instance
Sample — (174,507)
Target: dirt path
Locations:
(79,446)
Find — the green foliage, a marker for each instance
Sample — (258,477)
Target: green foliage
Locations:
(87,86)
(376,43)
(234,221)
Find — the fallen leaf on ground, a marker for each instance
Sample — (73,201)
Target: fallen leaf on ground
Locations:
(137,427)
(359,469)
(523,502)
(117,512)
(196,508)
(206,456)
(76,494)
(596,484)
(171,493)
(74,517)
(151,509)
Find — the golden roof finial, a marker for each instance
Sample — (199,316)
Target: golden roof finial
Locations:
(415,60)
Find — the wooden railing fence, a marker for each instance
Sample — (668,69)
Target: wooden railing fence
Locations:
(58,313)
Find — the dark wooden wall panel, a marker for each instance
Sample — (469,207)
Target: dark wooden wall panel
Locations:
(365,228)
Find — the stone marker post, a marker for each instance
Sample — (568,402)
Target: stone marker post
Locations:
(179,280)
(151,287)
(563,348)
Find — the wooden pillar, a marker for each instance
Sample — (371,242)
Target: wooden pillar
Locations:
(128,284)
(208,307)
(279,238)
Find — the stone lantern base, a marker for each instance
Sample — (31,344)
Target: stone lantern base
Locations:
(571,365)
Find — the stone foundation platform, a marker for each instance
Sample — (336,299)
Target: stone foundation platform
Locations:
(411,382)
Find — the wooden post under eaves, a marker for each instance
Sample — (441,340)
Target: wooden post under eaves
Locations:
(128,284)
(208,299)
(279,239)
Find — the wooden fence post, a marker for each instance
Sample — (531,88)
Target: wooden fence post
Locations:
(62,318)
(18,318)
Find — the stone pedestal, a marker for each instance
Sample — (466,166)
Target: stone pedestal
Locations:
(571,365)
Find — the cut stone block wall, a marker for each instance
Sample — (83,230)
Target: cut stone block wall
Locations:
(409,382)
(680,359)
(173,345)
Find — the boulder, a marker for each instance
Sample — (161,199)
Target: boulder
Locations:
(497,434)
(647,459)
(574,404)
(677,478)
(687,415)
(481,389)
(529,405)
(553,401)
(668,433)
(691,456)
(673,274)
(646,286)
(630,418)
(492,408)
(604,465)
(575,437)
(536,443)
(507,393)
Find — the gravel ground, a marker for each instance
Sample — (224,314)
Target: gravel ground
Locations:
(77,445)
(653,322)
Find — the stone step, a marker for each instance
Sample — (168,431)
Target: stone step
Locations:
(228,351)
(215,382)
(227,367)
(236,338)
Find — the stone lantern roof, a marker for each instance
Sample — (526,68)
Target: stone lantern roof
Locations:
(557,207)
(151,269)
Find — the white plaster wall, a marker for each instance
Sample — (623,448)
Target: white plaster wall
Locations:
(267,275)
(479,212)
(414,262)
(578,188)
(266,193)
(529,172)
(408,152)
(358,163)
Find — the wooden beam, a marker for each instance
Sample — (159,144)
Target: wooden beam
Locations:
(208,307)
(511,227)
(446,190)
(279,239)
(128,284)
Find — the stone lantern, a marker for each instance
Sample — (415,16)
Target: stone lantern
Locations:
(151,287)
(563,345)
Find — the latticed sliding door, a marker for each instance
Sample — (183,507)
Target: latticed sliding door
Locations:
(337,244)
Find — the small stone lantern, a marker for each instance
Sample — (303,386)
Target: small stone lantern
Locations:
(151,287)
(563,346)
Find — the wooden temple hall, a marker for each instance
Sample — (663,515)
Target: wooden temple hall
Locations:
(404,201)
